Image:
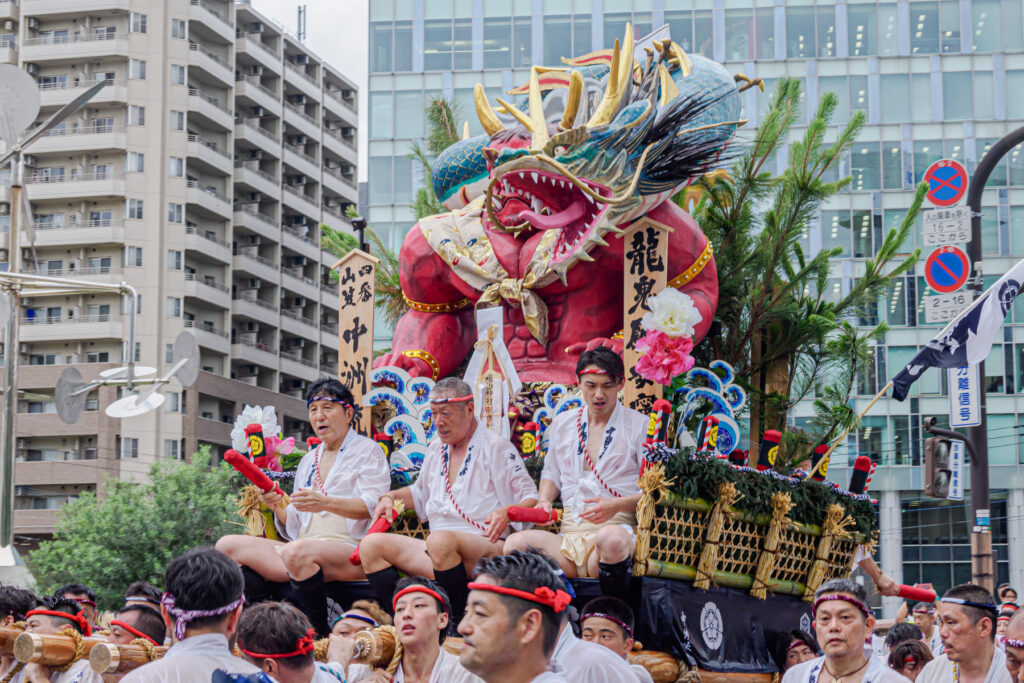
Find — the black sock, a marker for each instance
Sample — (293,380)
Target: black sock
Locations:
(383,584)
(314,601)
(616,578)
(257,589)
(454,581)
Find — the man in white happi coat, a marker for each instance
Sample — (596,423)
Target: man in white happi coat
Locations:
(593,460)
(422,615)
(609,622)
(278,638)
(966,618)
(337,486)
(516,606)
(51,618)
(469,478)
(201,607)
(924,617)
(842,622)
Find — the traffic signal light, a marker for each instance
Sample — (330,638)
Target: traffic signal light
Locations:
(936,467)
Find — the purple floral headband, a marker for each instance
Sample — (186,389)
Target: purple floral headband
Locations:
(183,616)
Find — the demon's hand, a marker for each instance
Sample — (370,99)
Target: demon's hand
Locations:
(578,348)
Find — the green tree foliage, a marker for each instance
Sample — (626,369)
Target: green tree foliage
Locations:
(136,529)
(780,327)
(442,133)
(388,288)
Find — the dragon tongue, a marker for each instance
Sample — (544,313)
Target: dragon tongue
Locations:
(561,219)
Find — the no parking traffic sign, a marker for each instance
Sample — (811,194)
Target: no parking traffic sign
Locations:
(947,269)
(947,182)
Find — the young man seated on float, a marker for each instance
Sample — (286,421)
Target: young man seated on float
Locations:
(337,485)
(593,459)
(57,615)
(422,614)
(842,622)
(469,477)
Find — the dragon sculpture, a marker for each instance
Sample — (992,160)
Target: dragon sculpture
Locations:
(539,203)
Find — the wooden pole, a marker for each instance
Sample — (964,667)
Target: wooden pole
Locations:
(50,649)
(108,658)
(846,431)
(356,298)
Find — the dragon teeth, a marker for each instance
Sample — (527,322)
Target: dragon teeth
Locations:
(533,177)
(536,205)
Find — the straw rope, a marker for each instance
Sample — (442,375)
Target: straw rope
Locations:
(832,529)
(721,514)
(652,483)
(150,649)
(79,649)
(782,503)
(396,658)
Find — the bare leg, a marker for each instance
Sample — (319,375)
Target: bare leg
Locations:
(548,543)
(380,551)
(258,554)
(304,557)
(449,548)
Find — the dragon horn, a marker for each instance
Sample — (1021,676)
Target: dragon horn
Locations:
(669,90)
(465,130)
(539,126)
(618,79)
(572,102)
(488,119)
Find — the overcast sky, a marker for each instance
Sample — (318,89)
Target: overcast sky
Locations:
(336,30)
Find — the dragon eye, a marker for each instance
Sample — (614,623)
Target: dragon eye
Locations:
(561,149)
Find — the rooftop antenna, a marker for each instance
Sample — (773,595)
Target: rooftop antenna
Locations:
(300,31)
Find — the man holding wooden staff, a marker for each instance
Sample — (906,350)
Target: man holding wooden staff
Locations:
(469,478)
(54,618)
(594,459)
(337,485)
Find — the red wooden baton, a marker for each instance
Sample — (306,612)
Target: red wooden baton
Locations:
(916,594)
(381,525)
(517,513)
(247,469)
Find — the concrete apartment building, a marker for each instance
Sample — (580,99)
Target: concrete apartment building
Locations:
(200,175)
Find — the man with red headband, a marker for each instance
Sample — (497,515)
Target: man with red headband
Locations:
(966,618)
(337,485)
(56,616)
(516,606)
(593,460)
(137,621)
(469,478)
(842,622)
(278,638)
(83,595)
(421,620)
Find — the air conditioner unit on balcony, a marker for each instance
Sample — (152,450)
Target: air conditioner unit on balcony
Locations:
(300,260)
(300,59)
(24,348)
(9,25)
(255,196)
(254,283)
(297,99)
(347,131)
(256,154)
(347,168)
(22,443)
(256,112)
(297,180)
(30,161)
(298,140)
(32,69)
(32,23)
(257,69)
(252,370)
(298,343)
(73,359)
(256,27)
(299,302)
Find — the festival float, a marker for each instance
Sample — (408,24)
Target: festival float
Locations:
(561,237)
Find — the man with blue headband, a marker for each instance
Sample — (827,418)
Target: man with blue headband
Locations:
(337,485)
(966,619)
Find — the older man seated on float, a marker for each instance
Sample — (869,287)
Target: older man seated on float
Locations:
(469,478)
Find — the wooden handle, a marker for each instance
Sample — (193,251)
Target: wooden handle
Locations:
(373,647)
(108,658)
(49,650)
(7,638)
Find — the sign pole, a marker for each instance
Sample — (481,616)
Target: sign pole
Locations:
(982,569)
(356,298)
(644,274)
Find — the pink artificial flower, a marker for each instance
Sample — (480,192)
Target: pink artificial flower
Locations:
(665,358)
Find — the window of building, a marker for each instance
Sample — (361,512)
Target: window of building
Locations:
(176,167)
(137,23)
(381,115)
(135,162)
(380,47)
(739,35)
(131,256)
(863,229)
(168,353)
(437,45)
(137,69)
(835,231)
(171,448)
(841,87)
(171,404)
(173,307)
(984,96)
(129,447)
(42,359)
(174,259)
(133,208)
(956,96)
(895,303)
(97,357)
(865,166)
(998,176)
(926,152)
(380,180)
(175,212)
(136,115)
(895,94)
(497,45)
(179,28)
(997,25)
(801,40)
(410,123)
(177,74)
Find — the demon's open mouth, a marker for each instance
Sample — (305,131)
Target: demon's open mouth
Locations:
(532,198)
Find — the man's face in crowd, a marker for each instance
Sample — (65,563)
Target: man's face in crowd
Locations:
(1010,595)
(924,619)
(346,627)
(841,628)
(798,654)
(417,619)
(912,668)
(87,605)
(959,636)
(608,634)
(487,647)
(599,392)
(453,420)
(329,420)
(45,625)
(121,636)
(1015,655)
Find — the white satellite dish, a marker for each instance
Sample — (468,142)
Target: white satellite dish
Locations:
(19,102)
(70,394)
(134,405)
(121,373)
(186,359)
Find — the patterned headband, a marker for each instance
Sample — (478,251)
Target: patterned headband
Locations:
(303,646)
(132,630)
(797,643)
(79,618)
(183,616)
(454,399)
(557,600)
(351,615)
(845,598)
(329,399)
(592,371)
(143,598)
(615,620)
(420,589)
(1011,642)
(987,606)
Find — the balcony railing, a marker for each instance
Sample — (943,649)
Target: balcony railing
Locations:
(196,92)
(196,47)
(295,109)
(213,11)
(295,231)
(294,315)
(70,272)
(254,81)
(82,83)
(84,130)
(297,358)
(209,144)
(76,226)
(59,320)
(207,328)
(297,274)
(339,175)
(303,74)
(251,123)
(208,190)
(247,209)
(257,345)
(205,280)
(298,193)
(256,257)
(9,40)
(337,97)
(76,38)
(296,150)
(74,178)
(189,230)
(336,134)
(254,39)
(252,298)
(254,167)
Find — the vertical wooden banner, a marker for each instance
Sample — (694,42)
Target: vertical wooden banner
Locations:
(644,273)
(356,287)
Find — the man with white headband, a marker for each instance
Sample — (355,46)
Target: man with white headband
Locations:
(469,478)
(842,622)
(594,459)
(966,618)
(1014,645)
(201,607)
(337,485)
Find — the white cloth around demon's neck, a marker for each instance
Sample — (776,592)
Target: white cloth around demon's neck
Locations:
(491,476)
(618,458)
(360,471)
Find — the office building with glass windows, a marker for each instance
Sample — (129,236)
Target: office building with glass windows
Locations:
(936,79)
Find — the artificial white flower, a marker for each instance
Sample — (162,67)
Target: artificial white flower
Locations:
(672,312)
(265,416)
